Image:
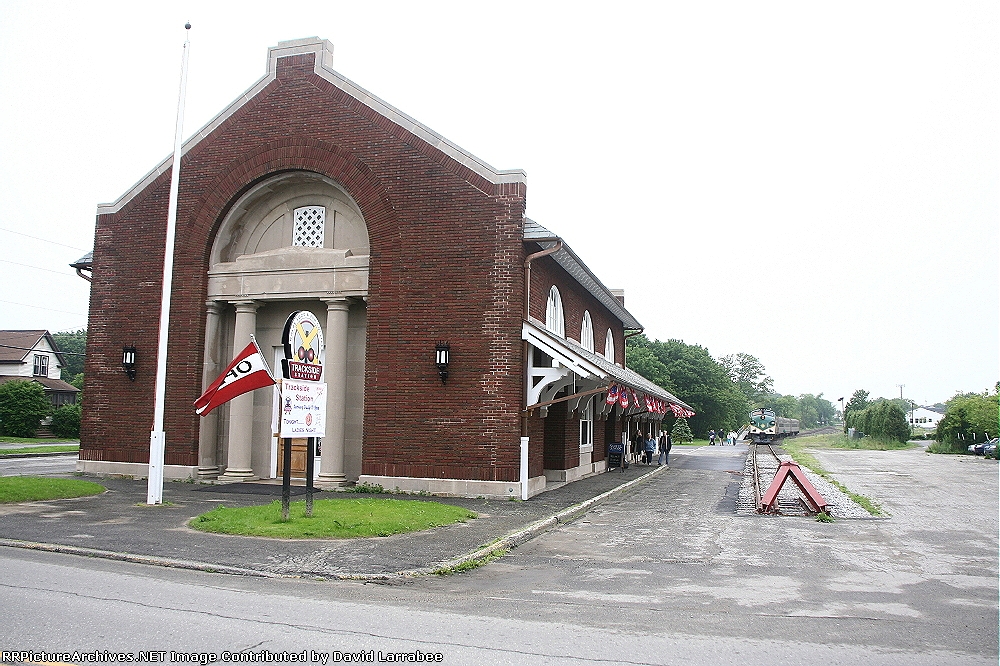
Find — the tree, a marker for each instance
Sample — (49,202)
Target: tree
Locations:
(785,406)
(689,372)
(857,403)
(681,432)
(882,419)
(74,343)
(969,417)
(747,372)
(22,405)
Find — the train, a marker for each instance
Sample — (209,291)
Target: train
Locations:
(766,427)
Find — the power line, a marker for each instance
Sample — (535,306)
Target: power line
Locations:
(39,268)
(33,349)
(46,240)
(39,307)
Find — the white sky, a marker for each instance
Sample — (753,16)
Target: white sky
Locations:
(811,183)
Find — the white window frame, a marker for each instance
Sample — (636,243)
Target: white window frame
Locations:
(587,332)
(40,362)
(309,226)
(555,321)
(609,346)
(587,426)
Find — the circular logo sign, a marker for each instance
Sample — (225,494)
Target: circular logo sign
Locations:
(303,342)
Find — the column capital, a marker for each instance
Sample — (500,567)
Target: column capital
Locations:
(246,305)
(337,303)
(214,307)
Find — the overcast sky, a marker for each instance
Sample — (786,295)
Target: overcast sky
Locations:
(815,184)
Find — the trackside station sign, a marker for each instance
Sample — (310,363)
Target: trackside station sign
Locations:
(303,393)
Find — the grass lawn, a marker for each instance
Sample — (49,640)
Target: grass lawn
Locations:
(839,440)
(31,489)
(796,449)
(54,448)
(35,440)
(332,518)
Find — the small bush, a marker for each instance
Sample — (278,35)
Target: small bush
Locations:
(372,488)
(22,406)
(66,421)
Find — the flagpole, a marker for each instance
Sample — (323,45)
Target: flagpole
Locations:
(157,437)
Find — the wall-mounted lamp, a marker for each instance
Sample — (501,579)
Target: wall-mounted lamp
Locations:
(128,362)
(443,358)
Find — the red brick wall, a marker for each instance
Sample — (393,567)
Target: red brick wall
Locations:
(545,272)
(446,264)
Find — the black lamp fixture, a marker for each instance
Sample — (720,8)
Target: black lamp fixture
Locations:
(442,359)
(128,361)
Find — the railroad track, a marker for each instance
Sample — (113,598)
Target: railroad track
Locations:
(765,464)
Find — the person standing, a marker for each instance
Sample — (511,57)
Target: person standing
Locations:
(649,450)
(711,437)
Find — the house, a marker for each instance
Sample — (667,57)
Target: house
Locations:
(33,355)
(925,417)
(310,193)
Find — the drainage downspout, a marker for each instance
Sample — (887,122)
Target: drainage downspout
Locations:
(524,355)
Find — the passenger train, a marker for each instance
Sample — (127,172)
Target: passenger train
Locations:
(766,427)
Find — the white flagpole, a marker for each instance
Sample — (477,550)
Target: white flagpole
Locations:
(158,438)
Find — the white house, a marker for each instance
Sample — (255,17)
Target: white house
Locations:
(34,355)
(924,417)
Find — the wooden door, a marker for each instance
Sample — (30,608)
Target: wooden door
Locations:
(299,456)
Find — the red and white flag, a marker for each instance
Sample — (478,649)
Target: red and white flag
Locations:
(247,372)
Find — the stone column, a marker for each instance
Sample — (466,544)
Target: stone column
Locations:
(241,407)
(208,466)
(331,464)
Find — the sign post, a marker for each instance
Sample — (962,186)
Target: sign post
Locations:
(303,398)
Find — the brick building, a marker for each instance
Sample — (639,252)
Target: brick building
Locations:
(310,193)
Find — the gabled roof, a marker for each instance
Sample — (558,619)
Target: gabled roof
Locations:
(324,69)
(573,265)
(16,345)
(47,384)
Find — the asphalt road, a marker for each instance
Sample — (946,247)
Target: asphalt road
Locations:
(666,575)
(38,466)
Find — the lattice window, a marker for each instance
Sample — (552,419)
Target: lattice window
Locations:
(309,227)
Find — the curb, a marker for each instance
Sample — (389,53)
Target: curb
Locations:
(138,559)
(38,455)
(507,542)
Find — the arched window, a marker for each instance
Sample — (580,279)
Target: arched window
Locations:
(587,332)
(554,320)
(609,346)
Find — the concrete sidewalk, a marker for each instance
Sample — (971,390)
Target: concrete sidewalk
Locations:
(120,525)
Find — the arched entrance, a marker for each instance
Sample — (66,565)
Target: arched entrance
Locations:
(294,241)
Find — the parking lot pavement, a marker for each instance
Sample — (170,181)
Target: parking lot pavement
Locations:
(673,554)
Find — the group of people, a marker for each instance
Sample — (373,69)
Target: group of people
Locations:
(646,448)
(723,438)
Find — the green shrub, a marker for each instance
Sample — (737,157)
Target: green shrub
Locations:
(22,405)
(882,420)
(66,421)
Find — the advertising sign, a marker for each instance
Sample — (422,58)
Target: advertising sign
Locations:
(303,409)
(303,342)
